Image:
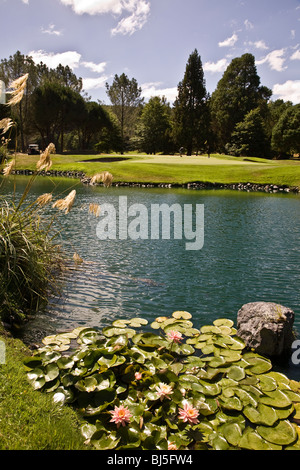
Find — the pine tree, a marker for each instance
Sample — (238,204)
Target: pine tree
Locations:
(190,107)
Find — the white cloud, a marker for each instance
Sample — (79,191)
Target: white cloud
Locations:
(135,21)
(275,60)
(51,30)
(138,12)
(154,89)
(296,55)
(258,44)
(94,83)
(26,2)
(229,42)
(98,68)
(216,67)
(288,91)
(94,7)
(52,60)
(248,25)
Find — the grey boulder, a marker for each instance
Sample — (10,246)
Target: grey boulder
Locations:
(266,327)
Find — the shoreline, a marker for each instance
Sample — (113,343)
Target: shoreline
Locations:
(195,185)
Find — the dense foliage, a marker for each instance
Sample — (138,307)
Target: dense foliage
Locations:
(171,386)
(238,118)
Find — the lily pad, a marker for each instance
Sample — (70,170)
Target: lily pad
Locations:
(283,433)
(276,398)
(232,433)
(263,414)
(236,373)
(251,440)
(181,314)
(223,322)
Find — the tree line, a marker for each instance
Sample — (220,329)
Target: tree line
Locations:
(238,118)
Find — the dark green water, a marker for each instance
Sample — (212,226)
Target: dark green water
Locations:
(251,253)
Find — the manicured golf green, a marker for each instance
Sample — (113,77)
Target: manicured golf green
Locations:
(142,168)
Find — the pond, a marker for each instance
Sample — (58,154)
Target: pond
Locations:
(251,252)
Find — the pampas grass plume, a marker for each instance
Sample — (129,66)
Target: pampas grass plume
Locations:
(66,204)
(9,167)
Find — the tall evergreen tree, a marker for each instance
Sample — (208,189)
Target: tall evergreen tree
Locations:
(190,107)
(237,93)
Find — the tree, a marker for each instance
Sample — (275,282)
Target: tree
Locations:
(237,93)
(56,109)
(286,133)
(125,96)
(190,107)
(39,74)
(154,126)
(250,137)
(92,121)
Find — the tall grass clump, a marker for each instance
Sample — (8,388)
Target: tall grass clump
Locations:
(28,261)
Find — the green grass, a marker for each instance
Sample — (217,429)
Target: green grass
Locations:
(173,169)
(30,420)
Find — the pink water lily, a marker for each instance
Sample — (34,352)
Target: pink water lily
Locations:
(120,416)
(188,414)
(174,336)
(163,391)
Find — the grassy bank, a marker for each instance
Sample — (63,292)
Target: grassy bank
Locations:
(30,420)
(174,169)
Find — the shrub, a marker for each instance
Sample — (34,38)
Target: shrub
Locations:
(177,387)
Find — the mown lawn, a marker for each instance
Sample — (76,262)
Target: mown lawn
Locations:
(30,420)
(174,169)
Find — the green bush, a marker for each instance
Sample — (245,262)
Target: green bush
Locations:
(174,387)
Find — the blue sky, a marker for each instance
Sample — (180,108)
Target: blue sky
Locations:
(151,40)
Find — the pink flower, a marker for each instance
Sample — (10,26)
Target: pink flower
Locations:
(188,414)
(174,336)
(163,391)
(120,415)
(172,446)
(137,376)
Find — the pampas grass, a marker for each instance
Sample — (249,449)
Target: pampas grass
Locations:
(28,262)
(18,88)
(95,209)
(44,199)
(6,124)
(66,204)
(106,178)
(77,258)
(45,162)
(9,168)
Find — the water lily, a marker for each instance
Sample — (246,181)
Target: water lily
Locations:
(188,414)
(120,416)
(174,336)
(163,391)
(172,446)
